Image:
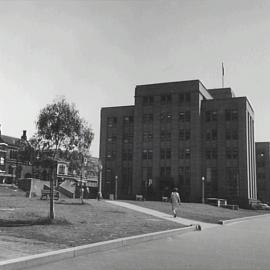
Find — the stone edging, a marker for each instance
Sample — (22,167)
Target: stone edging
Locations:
(228,221)
(53,256)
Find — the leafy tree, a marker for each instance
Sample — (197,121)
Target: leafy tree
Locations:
(61,129)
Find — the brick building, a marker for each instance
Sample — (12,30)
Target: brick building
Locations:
(178,134)
(263,170)
(11,168)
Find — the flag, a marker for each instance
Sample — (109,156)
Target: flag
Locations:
(222,69)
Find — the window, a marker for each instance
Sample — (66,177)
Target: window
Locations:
(184,134)
(234,115)
(165,99)
(13,154)
(148,100)
(211,134)
(228,134)
(165,171)
(2,161)
(211,153)
(147,117)
(235,153)
(214,134)
(187,135)
(165,153)
(181,98)
(111,139)
(231,115)
(164,116)
(208,135)
(184,175)
(127,138)
(210,116)
(234,134)
(181,175)
(169,117)
(187,97)
(111,121)
(128,120)
(10,170)
(147,137)
(181,134)
(187,116)
(109,175)
(165,136)
(184,98)
(184,153)
(61,169)
(147,154)
(111,154)
(187,153)
(127,154)
(184,116)
(232,153)
(231,174)
(214,116)
(228,154)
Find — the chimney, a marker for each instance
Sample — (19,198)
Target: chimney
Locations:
(24,137)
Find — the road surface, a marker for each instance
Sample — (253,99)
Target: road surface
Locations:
(242,245)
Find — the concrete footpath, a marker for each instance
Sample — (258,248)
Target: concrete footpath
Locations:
(162,215)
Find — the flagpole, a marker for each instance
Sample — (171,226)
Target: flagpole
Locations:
(222,75)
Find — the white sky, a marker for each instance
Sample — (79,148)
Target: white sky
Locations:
(96,52)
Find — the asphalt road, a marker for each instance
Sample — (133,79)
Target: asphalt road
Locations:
(243,245)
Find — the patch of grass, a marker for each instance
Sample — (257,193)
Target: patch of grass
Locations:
(200,212)
(79,224)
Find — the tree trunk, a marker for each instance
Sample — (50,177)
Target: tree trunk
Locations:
(52,216)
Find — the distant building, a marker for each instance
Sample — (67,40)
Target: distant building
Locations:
(263,170)
(11,167)
(68,182)
(178,134)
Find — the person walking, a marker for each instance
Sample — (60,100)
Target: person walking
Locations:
(175,201)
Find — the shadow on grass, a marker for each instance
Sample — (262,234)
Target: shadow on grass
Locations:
(32,222)
(71,202)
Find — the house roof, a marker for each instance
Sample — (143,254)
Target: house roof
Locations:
(9,140)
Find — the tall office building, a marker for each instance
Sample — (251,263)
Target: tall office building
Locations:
(180,134)
(263,170)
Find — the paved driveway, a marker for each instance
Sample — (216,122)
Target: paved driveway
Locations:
(243,245)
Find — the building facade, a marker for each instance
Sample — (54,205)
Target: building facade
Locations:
(11,167)
(263,170)
(180,134)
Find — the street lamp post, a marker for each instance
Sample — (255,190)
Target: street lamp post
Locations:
(99,179)
(83,164)
(203,179)
(116,180)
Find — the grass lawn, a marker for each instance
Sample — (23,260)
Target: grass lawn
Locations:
(75,224)
(94,221)
(200,212)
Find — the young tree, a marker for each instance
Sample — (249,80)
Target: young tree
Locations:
(60,128)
